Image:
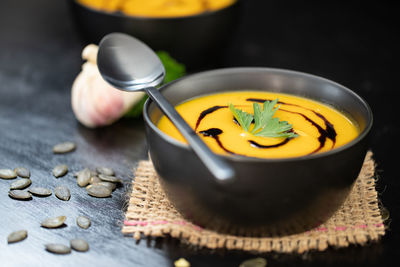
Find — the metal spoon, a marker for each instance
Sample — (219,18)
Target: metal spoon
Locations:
(130,65)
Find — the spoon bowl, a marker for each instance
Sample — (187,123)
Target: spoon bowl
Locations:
(129,64)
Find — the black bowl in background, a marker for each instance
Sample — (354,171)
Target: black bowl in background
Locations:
(197,41)
(286,195)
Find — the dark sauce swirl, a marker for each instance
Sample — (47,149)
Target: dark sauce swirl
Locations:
(324,134)
(214,133)
(205,113)
(257,145)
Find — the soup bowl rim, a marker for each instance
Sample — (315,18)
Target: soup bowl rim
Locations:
(360,136)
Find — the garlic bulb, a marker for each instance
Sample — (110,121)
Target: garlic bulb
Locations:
(94,102)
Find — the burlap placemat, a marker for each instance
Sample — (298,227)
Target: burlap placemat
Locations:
(358,221)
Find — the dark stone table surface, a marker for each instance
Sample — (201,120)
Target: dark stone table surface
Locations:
(350,43)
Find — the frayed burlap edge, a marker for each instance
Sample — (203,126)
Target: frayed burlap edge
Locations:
(358,221)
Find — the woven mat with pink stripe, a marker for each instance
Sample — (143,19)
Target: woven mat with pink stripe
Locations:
(358,221)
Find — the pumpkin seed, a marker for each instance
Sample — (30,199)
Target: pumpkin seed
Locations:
(79,245)
(109,185)
(20,184)
(181,262)
(385,213)
(22,172)
(77,173)
(58,248)
(40,191)
(92,173)
(64,148)
(83,178)
(95,180)
(60,170)
(62,192)
(20,194)
(255,262)
(54,222)
(83,222)
(7,174)
(96,190)
(109,178)
(17,236)
(105,170)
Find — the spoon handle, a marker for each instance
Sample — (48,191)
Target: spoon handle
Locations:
(217,166)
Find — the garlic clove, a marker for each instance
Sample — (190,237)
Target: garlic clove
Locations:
(94,102)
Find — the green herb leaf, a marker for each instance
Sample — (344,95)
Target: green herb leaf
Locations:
(264,123)
(261,118)
(276,128)
(242,117)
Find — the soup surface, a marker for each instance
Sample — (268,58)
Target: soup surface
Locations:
(318,127)
(158,8)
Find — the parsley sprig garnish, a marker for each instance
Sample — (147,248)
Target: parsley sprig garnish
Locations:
(264,123)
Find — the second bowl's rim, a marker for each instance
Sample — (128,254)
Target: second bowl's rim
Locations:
(361,136)
(172,18)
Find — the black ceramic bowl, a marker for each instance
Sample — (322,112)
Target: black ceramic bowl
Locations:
(284,195)
(197,40)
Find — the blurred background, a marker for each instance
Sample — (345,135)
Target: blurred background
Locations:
(353,43)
